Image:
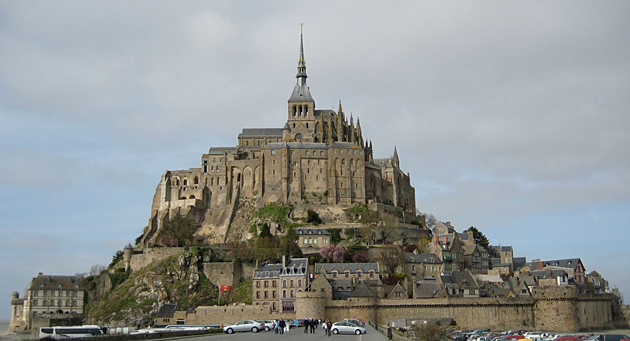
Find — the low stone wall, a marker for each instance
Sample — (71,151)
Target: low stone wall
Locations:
(232,314)
(148,255)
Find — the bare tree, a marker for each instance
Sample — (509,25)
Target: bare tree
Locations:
(391,258)
(96,269)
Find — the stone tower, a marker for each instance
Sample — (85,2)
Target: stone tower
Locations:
(301,114)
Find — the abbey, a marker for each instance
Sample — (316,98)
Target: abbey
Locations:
(318,156)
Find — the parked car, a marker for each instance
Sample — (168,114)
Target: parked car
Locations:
(244,326)
(298,323)
(268,324)
(356,322)
(345,327)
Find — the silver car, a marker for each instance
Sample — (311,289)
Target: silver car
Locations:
(345,327)
(244,326)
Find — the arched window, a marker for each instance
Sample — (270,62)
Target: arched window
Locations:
(284,294)
(196,180)
(185,182)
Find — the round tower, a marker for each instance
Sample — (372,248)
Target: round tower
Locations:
(310,304)
(555,308)
(127,254)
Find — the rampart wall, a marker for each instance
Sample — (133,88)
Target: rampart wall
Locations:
(148,255)
(233,314)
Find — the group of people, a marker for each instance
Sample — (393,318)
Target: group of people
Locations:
(280,326)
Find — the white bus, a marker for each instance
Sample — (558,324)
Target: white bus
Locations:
(70,332)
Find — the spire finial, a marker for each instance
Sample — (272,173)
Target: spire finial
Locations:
(301,68)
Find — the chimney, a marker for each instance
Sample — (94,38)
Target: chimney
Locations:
(435,240)
(284,261)
(448,223)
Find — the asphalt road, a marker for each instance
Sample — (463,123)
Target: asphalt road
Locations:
(295,334)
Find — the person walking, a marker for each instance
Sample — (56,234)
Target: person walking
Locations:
(329,327)
(281,325)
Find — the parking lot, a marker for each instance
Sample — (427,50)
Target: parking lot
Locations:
(296,334)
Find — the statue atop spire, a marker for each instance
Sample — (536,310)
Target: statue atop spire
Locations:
(301,68)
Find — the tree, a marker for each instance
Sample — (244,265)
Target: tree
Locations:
(289,245)
(391,257)
(360,257)
(334,254)
(116,258)
(428,332)
(429,220)
(96,270)
(410,248)
(179,231)
(479,237)
(312,217)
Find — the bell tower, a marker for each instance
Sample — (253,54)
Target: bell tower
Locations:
(301,115)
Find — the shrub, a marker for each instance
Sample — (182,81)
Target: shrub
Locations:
(312,217)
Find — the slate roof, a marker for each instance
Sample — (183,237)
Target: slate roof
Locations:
(463,236)
(324,113)
(548,273)
(410,257)
(362,290)
(49,282)
(167,310)
(563,263)
(262,132)
(496,262)
(427,288)
(295,266)
(312,231)
(463,279)
(383,161)
(498,248)
(221,150)
(301,93)
(341,267)
(518,262)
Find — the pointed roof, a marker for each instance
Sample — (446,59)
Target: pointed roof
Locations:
(301,93)
(301,68)
(362,290)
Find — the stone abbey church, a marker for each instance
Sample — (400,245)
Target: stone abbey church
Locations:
(317,157)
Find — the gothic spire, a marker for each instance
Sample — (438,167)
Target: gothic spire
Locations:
(301,68)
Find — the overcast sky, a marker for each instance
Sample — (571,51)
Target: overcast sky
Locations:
(511,116)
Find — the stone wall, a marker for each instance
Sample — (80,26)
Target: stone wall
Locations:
(223,273)
(233,314)
(148,255)
(595,311)
(248,271)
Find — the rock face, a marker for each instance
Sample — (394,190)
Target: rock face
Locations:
(129,299)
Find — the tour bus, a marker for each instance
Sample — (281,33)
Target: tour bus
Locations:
(70,332)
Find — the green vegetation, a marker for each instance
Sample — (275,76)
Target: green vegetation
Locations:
(240,294)
(186,289)
(312,217)
(276,213)
(116,258)
(479,237)
(335,236)
(179,231)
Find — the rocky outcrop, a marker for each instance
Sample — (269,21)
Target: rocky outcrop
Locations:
(134,298)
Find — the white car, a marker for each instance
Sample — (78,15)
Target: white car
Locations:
(244,326)
(345,327)
(268,324)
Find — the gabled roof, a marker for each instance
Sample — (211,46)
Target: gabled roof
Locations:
(167,310)
(427,288)
(362,290)
(410,257)
(262,132)
(324,113)
(548,273)
(462,278)
(518,262)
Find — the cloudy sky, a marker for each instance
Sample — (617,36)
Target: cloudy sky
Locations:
(510,116)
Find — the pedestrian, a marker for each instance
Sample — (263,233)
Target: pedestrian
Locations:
(329,327)
(281,325)
(286,327)
(274,325)
(313,325)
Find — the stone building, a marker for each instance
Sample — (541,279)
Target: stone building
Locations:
(311,241)
(275,286)
(45,297)
(319,156)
